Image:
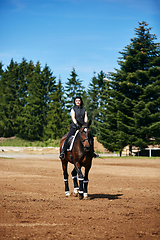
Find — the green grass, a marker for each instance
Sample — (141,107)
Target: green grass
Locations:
(18,142)
(130,157)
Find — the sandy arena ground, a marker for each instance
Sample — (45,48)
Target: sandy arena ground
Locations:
(123,203)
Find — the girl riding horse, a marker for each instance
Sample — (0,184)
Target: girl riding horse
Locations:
(79,117)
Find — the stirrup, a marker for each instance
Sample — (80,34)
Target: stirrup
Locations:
(62,155)
(95,155)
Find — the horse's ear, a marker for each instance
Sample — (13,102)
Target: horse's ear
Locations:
(89,123)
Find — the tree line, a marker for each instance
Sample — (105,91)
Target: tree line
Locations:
(124,105)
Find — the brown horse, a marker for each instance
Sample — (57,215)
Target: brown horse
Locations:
(80,156)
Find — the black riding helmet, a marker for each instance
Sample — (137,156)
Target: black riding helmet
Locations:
(79,98)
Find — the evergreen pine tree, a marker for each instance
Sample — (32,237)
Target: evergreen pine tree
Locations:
(9,104)
(63,124)
(133,110)
(1,106)
(94,100)
(56,117)
(26,71)
(33,120)
(23,72)
(1,69)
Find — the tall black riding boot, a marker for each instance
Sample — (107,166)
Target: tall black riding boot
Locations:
(64,150)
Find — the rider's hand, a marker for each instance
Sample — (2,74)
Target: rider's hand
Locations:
(77,126)
(85,123)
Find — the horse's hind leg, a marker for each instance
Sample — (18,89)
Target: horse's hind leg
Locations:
(74,177)
(65,173)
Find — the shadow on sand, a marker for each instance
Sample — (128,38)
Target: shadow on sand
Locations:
(108,196)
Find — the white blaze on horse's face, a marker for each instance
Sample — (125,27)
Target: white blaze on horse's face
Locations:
(85,141)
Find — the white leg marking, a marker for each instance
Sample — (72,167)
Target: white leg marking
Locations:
(67,193)
(76,190)
(85,195)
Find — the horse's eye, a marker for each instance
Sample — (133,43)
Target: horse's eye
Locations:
(85,129)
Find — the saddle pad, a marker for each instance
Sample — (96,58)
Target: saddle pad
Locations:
(71,141)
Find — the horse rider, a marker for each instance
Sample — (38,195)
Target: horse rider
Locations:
(78,115)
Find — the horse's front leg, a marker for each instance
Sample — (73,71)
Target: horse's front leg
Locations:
(80,178)
(74,177)
(65,173)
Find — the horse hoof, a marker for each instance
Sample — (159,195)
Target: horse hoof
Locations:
(74,194)
(80,196)
(76,190)
(67,194)
(85,195)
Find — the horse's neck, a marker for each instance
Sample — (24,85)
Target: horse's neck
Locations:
(79,141)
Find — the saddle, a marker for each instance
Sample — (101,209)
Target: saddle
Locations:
(71,141)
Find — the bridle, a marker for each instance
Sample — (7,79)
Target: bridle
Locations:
(85,130)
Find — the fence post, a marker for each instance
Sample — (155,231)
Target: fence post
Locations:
(150,152)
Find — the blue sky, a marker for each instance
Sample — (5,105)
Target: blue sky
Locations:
(64,34)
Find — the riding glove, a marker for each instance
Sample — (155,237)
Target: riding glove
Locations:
(77,126)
